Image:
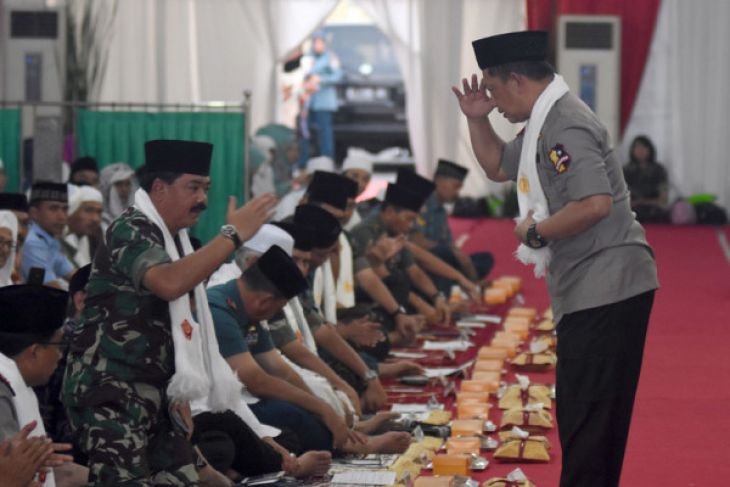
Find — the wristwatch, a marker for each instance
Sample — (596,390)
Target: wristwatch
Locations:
(230,232)
(534,239)
(371,374)
(436,296)
(400,311)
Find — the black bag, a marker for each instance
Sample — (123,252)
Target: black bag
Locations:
(710,214)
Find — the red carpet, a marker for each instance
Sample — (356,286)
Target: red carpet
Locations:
(680,434)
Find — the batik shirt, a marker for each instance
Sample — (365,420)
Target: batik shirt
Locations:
(124,334)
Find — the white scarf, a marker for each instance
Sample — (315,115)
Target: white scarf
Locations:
(294,314)
(8,220)
(200,370)
(82,249)
(323,289)
(530,195)
(25,403)
(346,277)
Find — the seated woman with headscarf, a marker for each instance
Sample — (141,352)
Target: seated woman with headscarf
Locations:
(8,241)
(647,182)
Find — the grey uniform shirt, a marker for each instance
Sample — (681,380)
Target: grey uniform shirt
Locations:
(8,417)
(611,261)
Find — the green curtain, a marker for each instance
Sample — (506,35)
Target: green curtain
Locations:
(120,136)
(10,146)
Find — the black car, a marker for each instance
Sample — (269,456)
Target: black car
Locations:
(371,95)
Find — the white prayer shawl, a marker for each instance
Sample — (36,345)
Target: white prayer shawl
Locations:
(346,278)
(9,221)
(200,370)
(81,245)
(25,403)
(530,195)
(324,291)
(294,314)
(321,388)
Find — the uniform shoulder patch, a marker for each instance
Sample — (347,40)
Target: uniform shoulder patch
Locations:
(559,158)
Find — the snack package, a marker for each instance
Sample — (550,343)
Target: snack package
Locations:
(536,362)
(532,418)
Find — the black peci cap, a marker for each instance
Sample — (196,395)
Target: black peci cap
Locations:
(14,202)
(451,170)
(528,45)
(22,314)
(326,227)
(178,156)
(48,191)
(333,189)
(282,271)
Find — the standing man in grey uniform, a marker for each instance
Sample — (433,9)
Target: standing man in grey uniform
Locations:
(602,275)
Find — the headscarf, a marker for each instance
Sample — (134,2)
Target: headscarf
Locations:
(284,137)
(8,220)
(113,205)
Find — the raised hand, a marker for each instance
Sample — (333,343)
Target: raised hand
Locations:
(474,101)
(249,218)
(22,457)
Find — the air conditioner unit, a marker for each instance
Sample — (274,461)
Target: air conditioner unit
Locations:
(589,58)
(32,50)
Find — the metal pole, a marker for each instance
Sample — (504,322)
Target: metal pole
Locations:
(246,107)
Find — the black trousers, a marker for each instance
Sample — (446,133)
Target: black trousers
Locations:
(229,443)
(599,360)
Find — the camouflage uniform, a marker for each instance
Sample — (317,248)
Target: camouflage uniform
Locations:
(120,361)
(370,230)
(433,223)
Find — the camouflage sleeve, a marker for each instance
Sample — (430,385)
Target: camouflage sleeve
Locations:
(360,238)
(281,333)
(136,245)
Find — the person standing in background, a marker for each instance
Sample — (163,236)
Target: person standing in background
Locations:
(320,83)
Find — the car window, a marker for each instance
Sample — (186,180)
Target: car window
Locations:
(358,45)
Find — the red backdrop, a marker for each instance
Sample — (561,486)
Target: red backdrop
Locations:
(637,28)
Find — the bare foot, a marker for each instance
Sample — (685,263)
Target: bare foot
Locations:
(312,464)
(375,423)
(391,442)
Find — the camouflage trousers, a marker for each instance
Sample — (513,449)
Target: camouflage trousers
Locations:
(131,441)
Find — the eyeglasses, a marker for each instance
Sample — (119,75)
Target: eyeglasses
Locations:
(8,244)
(62,344)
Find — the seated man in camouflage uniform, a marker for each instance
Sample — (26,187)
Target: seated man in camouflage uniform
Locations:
(390,283)
(122,356)
(431,230)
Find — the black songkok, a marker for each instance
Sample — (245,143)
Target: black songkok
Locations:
(528,45)
(282,271)
(47,191)
(326,227)
(14,202)
(415,183)
(178,156)
(403,197)
(333,189)
(32,309)
(450,170)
